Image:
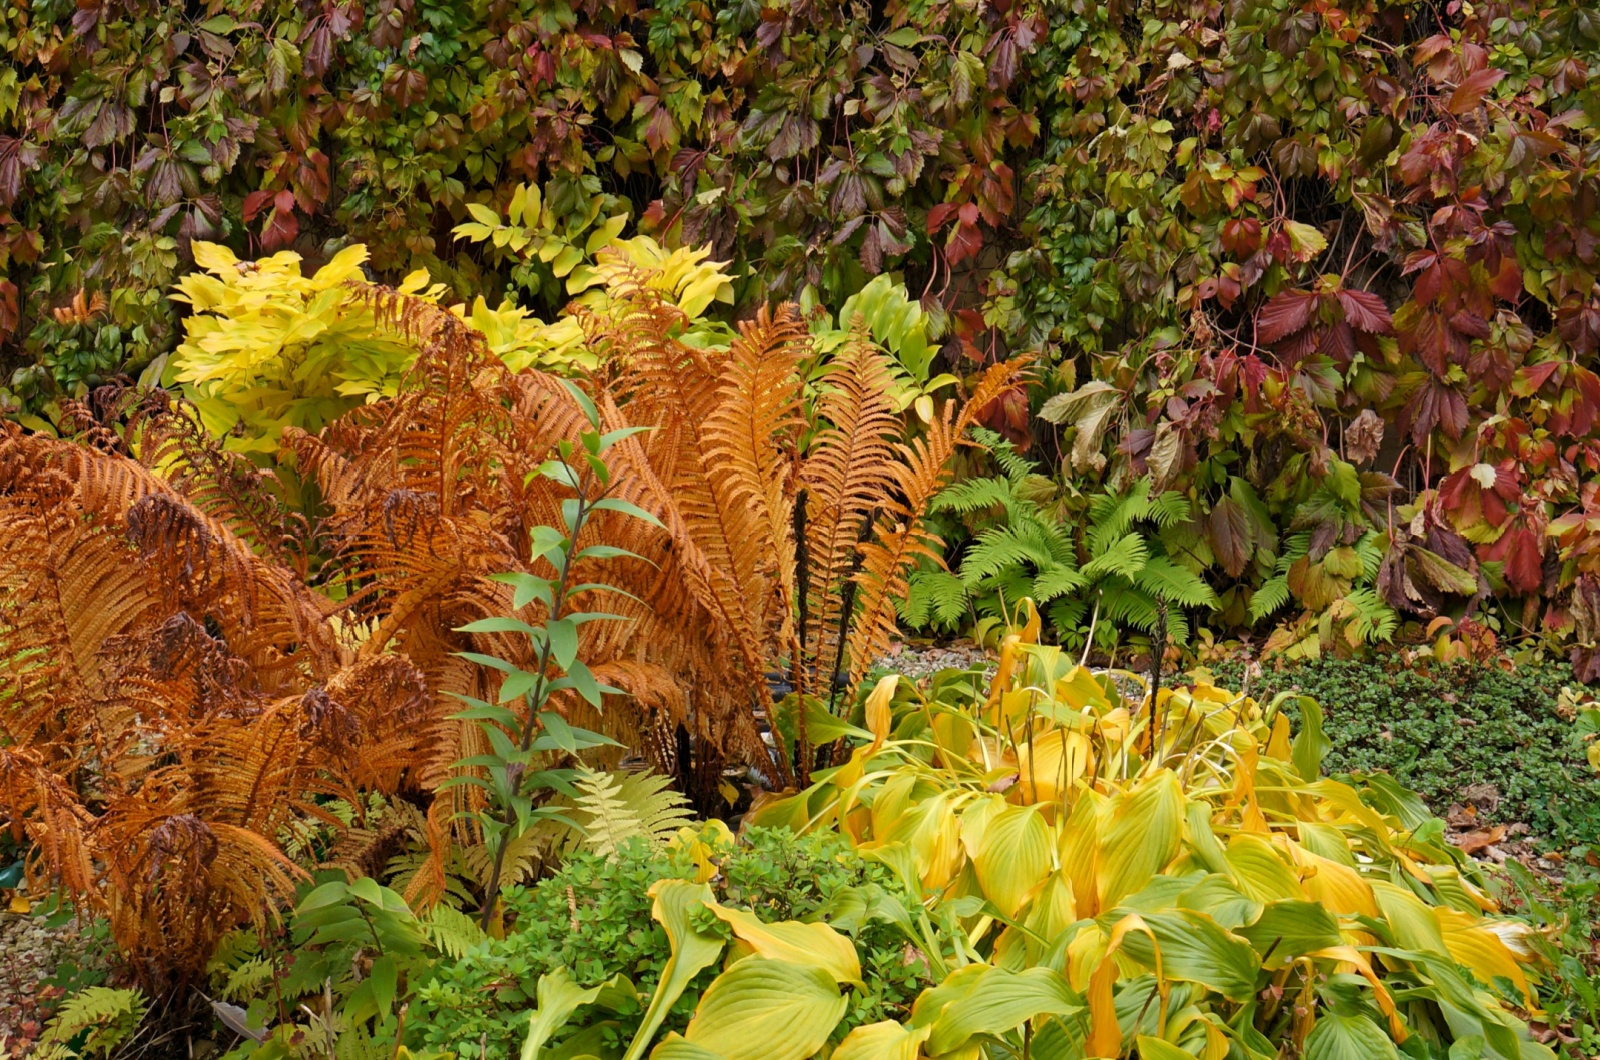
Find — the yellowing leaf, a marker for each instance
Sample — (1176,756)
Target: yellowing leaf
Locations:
(213,257)
(878,710)
(1142,837)
(763,1009)
(1013,857)
(1260,871)
(886,1040)
(1305,241)
(811,945)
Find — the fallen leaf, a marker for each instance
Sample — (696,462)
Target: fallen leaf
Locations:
(1472,842)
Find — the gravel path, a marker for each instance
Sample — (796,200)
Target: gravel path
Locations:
(917,662)
(29,953)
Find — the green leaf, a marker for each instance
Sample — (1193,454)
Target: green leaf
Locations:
(529,587)
(385,977)
(763,1009)
(1292,929)
(1195,949)
(993,1001)
(499,624)
(483,214)
(1310,744)
(607,552)
(615,504)
(583,400)
(1155,1049)
(1337,1037)
(563,642)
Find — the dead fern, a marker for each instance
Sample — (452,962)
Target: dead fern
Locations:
(186,665)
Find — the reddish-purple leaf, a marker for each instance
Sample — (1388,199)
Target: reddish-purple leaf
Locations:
(1469,94)
(1283,315)
(1365,311)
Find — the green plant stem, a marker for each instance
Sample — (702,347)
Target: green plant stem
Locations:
(535,699)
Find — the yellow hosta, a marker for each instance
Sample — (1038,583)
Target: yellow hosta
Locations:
(1187,853)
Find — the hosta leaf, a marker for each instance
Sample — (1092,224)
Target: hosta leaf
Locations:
(1337,1037)
(762,1009)
(1195,949)
(1290,929)
(993,1001)
(809,945)
(558,997)
(1142,837)
(692,952)
(1013,857)
(886,1040)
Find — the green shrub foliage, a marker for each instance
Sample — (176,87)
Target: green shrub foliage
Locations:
(592,917)
(1444,730)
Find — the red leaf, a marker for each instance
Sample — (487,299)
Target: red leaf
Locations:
(1471,91)
(938,215)
(1507,282)
(253,204)
(1366,312)
(1241,236)
(1524,560)
(1286,313)
(965,241)
(10,316)
(281,228)
(1231,539)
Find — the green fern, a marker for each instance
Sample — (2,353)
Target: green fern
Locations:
(934,598)
(1374,620)
(104,1018)
(451,931)
(616,808)
(1273,594)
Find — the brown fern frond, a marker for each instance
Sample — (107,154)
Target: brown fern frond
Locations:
(901,539)
(849,471)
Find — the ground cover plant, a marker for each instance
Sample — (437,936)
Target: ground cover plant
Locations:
(1447,730)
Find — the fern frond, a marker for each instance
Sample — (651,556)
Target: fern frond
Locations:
(934,598)
(633,806)
(1111,514)
(451,931)
(109,1016)
(1058,580)
(1160,577)
(901,539)
(1170,509)
(975,495)
(1125,557)
(1273,594)
(1374,620)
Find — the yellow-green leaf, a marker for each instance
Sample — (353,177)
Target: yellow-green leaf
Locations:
(994,1001)
(1013,857)
(763,1009)
(691,952)
(1142,837)
(887,1040)
(813,945)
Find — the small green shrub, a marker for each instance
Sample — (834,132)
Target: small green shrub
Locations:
(1443,729)
(593,918)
